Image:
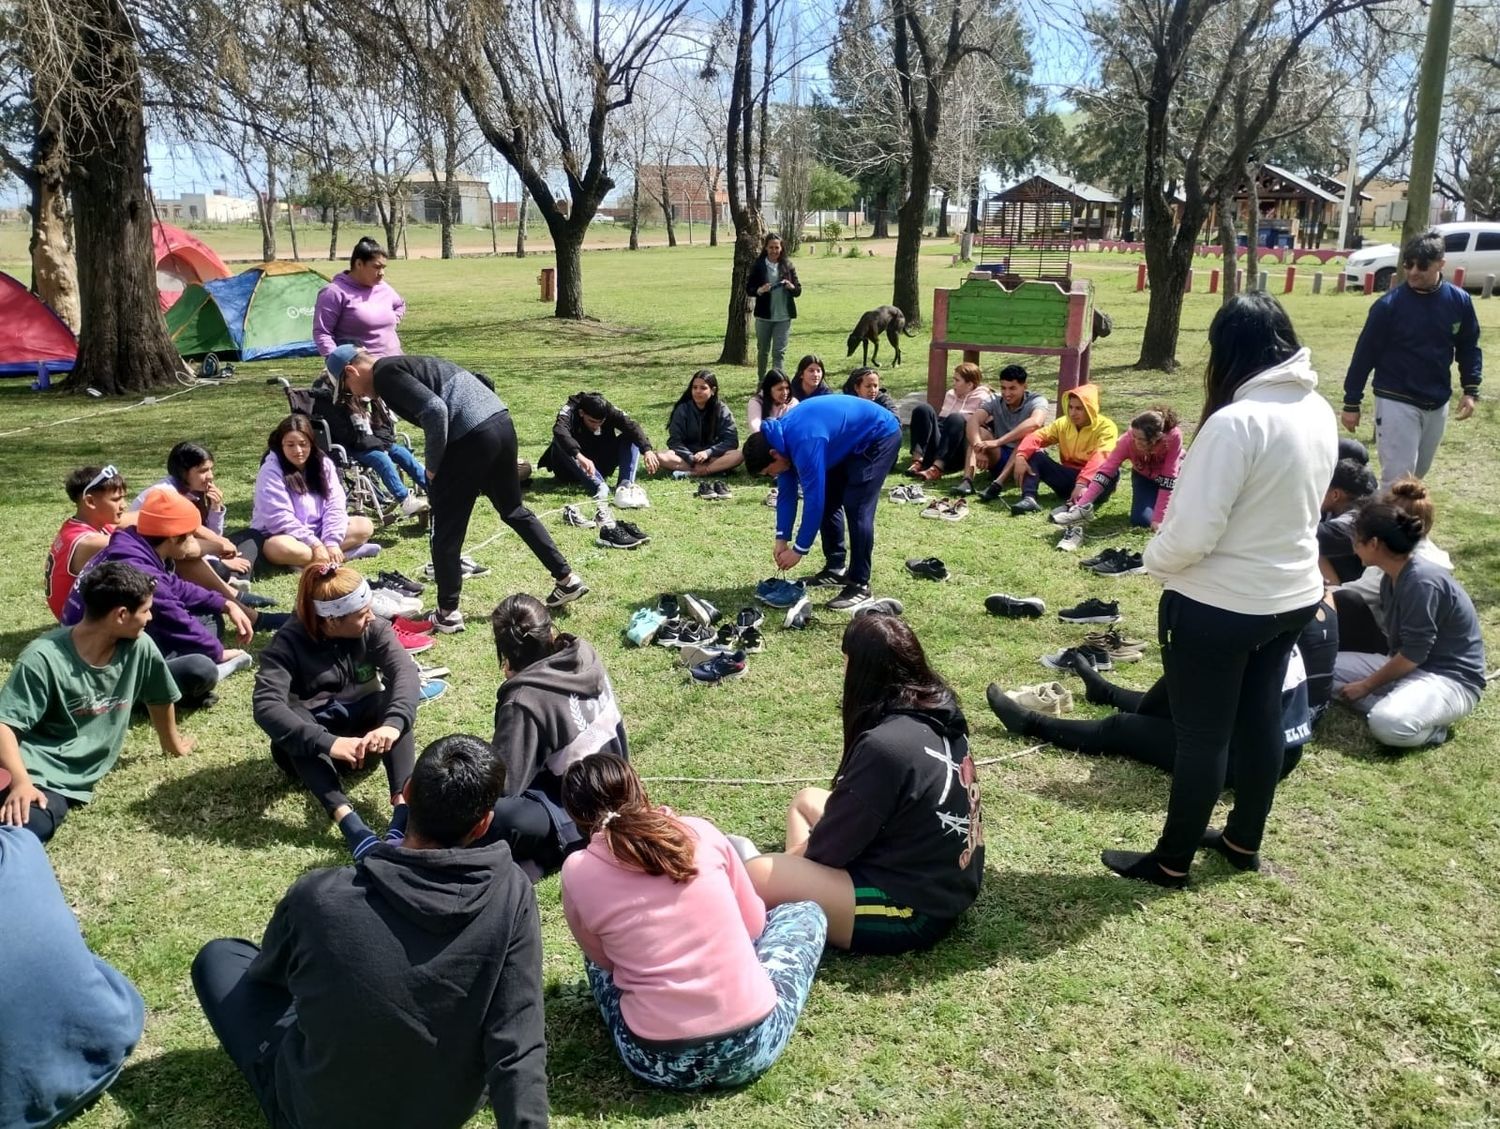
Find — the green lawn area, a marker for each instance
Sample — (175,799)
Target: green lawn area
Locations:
(1353,985)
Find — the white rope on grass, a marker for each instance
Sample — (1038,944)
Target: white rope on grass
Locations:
(148,401)
(785,780)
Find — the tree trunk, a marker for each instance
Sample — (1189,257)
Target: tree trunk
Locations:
(1168,261)
(635,212)
(1127,214)
(973,227)
(567,240)
(736,349)
(333,235)
(522,215)
(880,220)
(446,218)
(124,346)
(906,292)
(666,211)
(942,224)
(268,211)
(291,226)
(386,205)
(713,214)
(1252,230)
(1228,240)
(54,269)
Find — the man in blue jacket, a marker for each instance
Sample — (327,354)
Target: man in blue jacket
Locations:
(838,449)
(1410,339)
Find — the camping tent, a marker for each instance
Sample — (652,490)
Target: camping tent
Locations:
(181,260)
(33,339)
(264,312)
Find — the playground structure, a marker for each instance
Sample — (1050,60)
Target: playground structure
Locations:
(1035,317)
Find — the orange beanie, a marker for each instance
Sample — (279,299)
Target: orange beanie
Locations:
(166,513)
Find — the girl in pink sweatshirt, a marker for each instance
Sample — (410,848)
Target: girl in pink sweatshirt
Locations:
(699,986)
(1153,447)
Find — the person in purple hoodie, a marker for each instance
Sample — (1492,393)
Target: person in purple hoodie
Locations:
(359,307)
(164,532)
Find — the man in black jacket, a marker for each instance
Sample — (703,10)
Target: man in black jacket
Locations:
(399,990)
(592,439)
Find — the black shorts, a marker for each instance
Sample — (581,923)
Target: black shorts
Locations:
(882,926)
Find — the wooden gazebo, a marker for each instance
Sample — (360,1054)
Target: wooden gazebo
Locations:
(1028,229)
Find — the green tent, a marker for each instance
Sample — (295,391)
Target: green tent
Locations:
(264,312)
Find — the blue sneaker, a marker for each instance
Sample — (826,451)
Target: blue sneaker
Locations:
(718,669)
(432,689)
(644,625)
(778,593)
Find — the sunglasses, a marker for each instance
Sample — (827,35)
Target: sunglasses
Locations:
(108,474)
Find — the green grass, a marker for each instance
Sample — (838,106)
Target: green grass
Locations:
(1353,986)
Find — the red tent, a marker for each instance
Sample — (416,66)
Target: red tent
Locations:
(181,260)
(33,339)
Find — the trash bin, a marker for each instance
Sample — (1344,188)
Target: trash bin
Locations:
(1285,240)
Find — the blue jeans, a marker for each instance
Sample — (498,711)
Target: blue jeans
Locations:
(1059,478)
(384,464)
(625,458)
(853,489)
(789,950)
(1143,492)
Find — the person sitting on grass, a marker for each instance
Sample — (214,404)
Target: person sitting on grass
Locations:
(771,400)
(163,532)
(1083,438)
(938,438)
(895,852)
(1153,447)
(71,1020)
(592,439)
(1434,672)
(299,516)
(701,435)
(190,472)
(401,990)
(865,383)
(335,688)
(98,497)
(366,430)
(66,706)
(699,986)
(555,707)
(993,432)
(1353,483)
(808,380)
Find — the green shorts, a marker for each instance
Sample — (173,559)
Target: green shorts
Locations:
(884,927)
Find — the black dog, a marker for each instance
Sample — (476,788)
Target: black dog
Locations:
(882,318)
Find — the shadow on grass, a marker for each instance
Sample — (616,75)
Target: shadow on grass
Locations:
(182,1088)
(1111,785)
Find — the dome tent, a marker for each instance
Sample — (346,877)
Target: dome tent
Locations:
(261,313)
(34,341)
(181,260)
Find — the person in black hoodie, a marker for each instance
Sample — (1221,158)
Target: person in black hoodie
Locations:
(555,707)
(701,434)
(401,990)
(336,688)
(592,439)
(895,852)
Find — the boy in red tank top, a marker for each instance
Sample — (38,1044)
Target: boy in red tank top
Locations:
(98,495)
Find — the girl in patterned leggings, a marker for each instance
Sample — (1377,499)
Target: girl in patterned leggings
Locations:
(699,986)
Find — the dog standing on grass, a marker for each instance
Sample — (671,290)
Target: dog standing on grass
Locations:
(887,319)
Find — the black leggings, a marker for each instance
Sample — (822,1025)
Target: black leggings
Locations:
(523,823)
(43,822)
(320,773)
(249,1017)
(938,439)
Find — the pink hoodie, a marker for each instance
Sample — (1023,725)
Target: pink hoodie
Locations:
(1161,466)
(366,316)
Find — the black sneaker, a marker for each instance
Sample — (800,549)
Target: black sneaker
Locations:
(1015,607)
(719,669)
(1092,611)
(928,568)
(1107,555)
(850,597)
(701,610)
(728,635)
(1124,564)
(826,578)
(881,605)
(669,634)
(398,583)
(616,536)
(1096,657)
(707,493)
(1027,505)
(667,604)
(751,641)
(694,635)
(750,617)
(721,489)
(256,600)
(565,593)
(635,531)
(990,492)
(798,615)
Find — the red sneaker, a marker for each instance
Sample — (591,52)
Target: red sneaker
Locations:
(413,626)
(414,644)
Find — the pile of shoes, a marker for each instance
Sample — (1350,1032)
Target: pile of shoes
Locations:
(1113,562)
(1100,650)
(687,623)
(612,533)
(714,490)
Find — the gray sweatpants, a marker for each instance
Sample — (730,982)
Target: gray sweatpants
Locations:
(1406,438)
(770,341)
(1414,710)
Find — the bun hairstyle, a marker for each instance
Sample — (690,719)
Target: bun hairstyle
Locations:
(1396,529)
(315,584)
(365,251)
(523,631)
(1409,495)
(1155,422)
(1354,479)
(602,793)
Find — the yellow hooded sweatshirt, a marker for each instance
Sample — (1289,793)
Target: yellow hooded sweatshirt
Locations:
(1083,447)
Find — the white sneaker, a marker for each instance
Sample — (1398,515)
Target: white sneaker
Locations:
(1046,697)
(1071,540)
(413,504)
(1072,515)
(388,604)
(631,496)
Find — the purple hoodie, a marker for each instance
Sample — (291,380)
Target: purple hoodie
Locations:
(308,517)
(177,603)
(366,316)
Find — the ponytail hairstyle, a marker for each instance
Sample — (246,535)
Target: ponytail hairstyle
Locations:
(1249,334)
(886,670)
(1409,495)
(365,251)
(602,793)
(1396,529)
(314,476)
(523,631)
(1155,422)
(315,584)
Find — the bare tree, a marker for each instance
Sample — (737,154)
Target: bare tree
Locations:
(704,141)
(1469,162)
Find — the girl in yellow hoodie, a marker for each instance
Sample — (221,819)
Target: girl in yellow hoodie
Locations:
(1083,438)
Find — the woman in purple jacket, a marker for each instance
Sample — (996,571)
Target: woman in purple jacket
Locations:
(359,307)
(298,517)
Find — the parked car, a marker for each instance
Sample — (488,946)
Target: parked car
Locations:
(1473,246)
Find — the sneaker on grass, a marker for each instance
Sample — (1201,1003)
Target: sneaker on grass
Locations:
(749,617)
(1027,505)
(566,591)
(751,640)
(777,592)
(1125,564)
(414,644)
(701,610)
(1045,697)
(421,626)
(431,690)
(387,603)
(448,623)
(669,634)
(1071,539)
(398,582)
(573,516)
(824,578)
(1015,607)
(927,568)
(616,536)
(850,597)
(707,493)
(1092,611)
(631,496)
(772,495)
(1064,659)
(798,615)
(721,489)
(643,626)
(1073,515)
(881,605)
(719,669)
(990,493)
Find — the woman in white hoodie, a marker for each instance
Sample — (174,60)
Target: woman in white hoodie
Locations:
(1238,559)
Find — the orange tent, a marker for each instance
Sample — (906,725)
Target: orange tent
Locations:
(181,261)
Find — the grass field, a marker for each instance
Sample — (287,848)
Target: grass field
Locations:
(1353,985)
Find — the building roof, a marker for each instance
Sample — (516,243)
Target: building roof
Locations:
(1304,184)
(1081,192)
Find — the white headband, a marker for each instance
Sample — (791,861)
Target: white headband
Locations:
(355,601)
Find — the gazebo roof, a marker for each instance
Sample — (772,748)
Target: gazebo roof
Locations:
(1051,185)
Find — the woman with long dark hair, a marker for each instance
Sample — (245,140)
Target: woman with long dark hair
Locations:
(894,853)
(1238,558)
(808,379)
(772,282)
(298,516)
(701,436)
(698,984)
(770,401)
